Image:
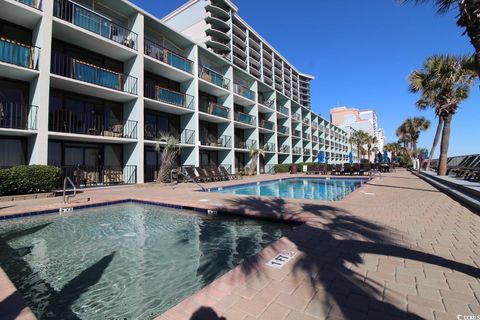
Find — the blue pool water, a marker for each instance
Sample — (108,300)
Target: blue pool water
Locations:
(298,188)
(127,261)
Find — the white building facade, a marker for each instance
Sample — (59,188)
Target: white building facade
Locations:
(92,84)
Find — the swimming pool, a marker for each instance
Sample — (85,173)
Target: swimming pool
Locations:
(298,188)
(128,261)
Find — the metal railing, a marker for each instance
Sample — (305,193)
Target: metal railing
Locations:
(90,20)
(221,141)
(175,98)
(18,116)
(314,138)
(215,109)
(284,149)
(296,133)
(306,152)
(306,136)
(266,102)
(213,77)
(36,4)
(247,144)
(282,129)
(297,150)
(67,66)
(296,116)
(314,124)
(171,58)
(91,124)
(19,54)
(270,147)
(92,176)
(66,198)
(266,124)
(187,136)
(245,118)
(243,91)
(282,109)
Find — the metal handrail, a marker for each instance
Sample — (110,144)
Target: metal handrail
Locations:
(66,198)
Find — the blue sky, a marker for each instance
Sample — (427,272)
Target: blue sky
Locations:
(361,55)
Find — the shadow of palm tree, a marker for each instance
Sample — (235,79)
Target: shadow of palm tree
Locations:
(59,303)
(333,243)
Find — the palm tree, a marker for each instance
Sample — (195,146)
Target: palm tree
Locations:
(468,18)
(255,154)
(410,131)
(168,145)
(358,138)
(371,141)
(394,148)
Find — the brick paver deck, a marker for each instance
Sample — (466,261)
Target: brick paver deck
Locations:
(395,249)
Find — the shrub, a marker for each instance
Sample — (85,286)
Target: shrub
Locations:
(28,179)
(285,167)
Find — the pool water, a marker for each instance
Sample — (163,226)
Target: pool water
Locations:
(127,261)
(298,188)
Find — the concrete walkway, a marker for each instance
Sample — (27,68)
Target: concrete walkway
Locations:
(395,249)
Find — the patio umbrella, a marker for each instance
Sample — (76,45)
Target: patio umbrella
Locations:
(385,156)
(426,155)
(350,157)
(321,157)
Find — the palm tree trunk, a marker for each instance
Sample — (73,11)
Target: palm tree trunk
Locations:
(253,166)
(358,152)
(442,165)
(435,141)
(369,153)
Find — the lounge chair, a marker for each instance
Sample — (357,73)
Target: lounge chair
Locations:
(214,173)
(347,168)
(329,168)
(219,173)
(465,163)
(193,176)
(311,170)
(338,169)
(230,175)
(356,168)
(365,168)
(204,174)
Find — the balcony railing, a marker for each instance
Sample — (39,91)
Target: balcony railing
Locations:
(314,138)
(215,109)
(188,136)
(284,149)
(282,129)
(151,132)
(306,121)
(282,109)
(36,4)
(268,103)
(306,152)
(296,133)
(247,144)
(93,176)
(19,54)
(269,146)
(212,141)
(213,77)
(67,66)
(243,91)
(321,129)
(297,150)
(162,54)
(94,22)
(266,124)
(91,124)
(296,116)
(18,116)
(314,125)
(175,98)
(306,136)
(314,153)
(245,118)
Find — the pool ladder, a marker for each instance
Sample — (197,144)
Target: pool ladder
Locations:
(66,198)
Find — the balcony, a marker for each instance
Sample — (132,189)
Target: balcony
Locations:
(245,118)
(170,97)
(314,124)
(246,145)
(243,91)
(92,124)
(69,67)
(269,125)
(306,121)
(93,176)
(266,102)
(21,55)
(296,133)
(214,77)
(284,149)
(186,137)
(215,109)
(314,138)
(306,136)
(297,150)
(269,147)
(306,152)
(282,129)
(282,109)
(94,22)
(219,142)
(36,4)
(171,58)
(18,116)
(296,117)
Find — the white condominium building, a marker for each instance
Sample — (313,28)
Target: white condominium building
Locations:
(94,83)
